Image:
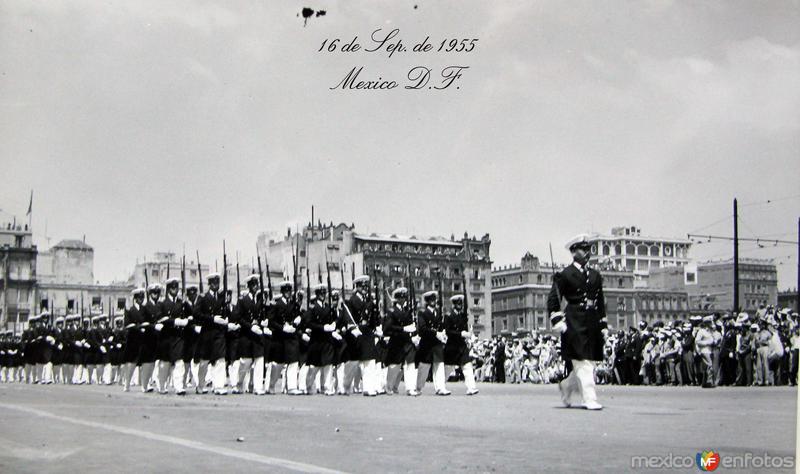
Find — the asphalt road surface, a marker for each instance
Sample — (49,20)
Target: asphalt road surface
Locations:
(519,428)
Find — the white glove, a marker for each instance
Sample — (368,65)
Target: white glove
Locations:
(410,328)
(180,322)
(604,331)
(103,349)
(379,331)
(267,331)
(560,327)
(305,337)
(78,344)
(197,329)
(356,332)
(119,346)
(329,327)
(51,340)
(141,330)
(288,328)
(415,340)
(159,327)
(336,336)
(232,327)
(220,320)
(87,345)
(60,346)
(265,323)
(256,329)
(465,334)
(111,339)
(297,320)
(441,336)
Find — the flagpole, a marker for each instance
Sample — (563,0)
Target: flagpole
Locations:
(30,213)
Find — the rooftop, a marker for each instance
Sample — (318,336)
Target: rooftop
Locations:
(73,244)
(412,239)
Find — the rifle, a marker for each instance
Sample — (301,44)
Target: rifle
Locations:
(308,283)
(261,281)
(294,274)
(224,273)
(146,280)
(238,278)
(183,275)
(330,290)
(199,273)
(341,271)
(553,273)
(167,269)
(269,282)
(466,296)
(319,267)
(441,298)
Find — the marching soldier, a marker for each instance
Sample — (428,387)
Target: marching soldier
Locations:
(251,338)
(149,336)
(340,344)
(401,329)
(430,324)
(212,315)
(582,324)
(191,337)
(285,350)
(321,320)
(365,313)
(348,325)
(116,350)
(170,329)
(232,340)
(456,350)
(704,342)
(134,318)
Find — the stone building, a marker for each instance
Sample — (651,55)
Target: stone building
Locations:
(18,276)
(394,260)
(66,283)
(626,248)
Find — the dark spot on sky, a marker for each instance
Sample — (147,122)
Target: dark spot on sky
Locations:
(415,7)
(309,12)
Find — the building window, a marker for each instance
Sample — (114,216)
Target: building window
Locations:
(539,278)
(44,304)
(456,286)
(630,249)
(70,305)
(654,251)
(476,274)
(96,301)
(120,303)
(154,273)
(519,279)
(606,250)
(521,322)
(505,324)
(641,250)
(476,301)
(618,249)
(193,273)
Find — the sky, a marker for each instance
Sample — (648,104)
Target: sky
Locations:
(151,125)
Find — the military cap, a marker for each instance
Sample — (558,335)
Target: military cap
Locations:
(320,288)
(556,318)
(708,319)
(335,293)
(754,326)
(191,286)
(119,319)
(429,294)
(360,280)
(642,324)
(60,319)
(401,292)
(212,276)
(579,241)
(137,291)
(33,318)
(154,287)
(455,298)
(172,281)
(253,278)
(285,284)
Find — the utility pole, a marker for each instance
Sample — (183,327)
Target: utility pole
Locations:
(735,256)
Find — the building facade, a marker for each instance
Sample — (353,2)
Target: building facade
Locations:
(393,260)
(627,249)
(18,258)
(66,283)
(519,298)
(788,299)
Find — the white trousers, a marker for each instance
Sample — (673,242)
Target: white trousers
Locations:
(47,372)
(302,373)
(369,376)
(218,374)
(469,375)
(438,375)
(291,376)
(409,377)
(234,373)
(145,374)
(199,369)
(325,373)
(581,381)
(349,370)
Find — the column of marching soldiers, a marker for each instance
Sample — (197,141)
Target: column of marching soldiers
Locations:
(254,343)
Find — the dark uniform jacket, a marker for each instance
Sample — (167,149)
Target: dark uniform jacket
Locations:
(151,314)
(190,334)
(368,320)
(251,345)
(134,317)
(401,349)
(431,349)
(170,338)
(585,312)
(211,345)
(285,347)
(321,349)
(456,351)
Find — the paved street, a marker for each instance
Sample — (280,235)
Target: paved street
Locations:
(505,428)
